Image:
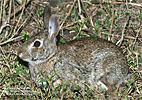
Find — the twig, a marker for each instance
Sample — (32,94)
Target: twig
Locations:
(67,14)
(69,25)
(15,32)
(135,4)
(88,2)
(82,18)
(20,1)
(137,35)
(88,16)
(122,36)
(3,26)
(24,78)
(9,40)
(104,2)
(137,54)
(79,6)
(128,37)
(9,13)
(1,11)
(20,8)
(7,20)
(112,18)
(4,58)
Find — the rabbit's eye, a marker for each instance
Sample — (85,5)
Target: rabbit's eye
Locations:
(36,44)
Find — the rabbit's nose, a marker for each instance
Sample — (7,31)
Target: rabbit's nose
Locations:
(20,55)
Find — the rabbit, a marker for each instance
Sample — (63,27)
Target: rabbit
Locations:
(96,60)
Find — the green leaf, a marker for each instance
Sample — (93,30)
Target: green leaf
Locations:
(126,97)
(26,37)
(130,59)
(22,80)
(93,35)
(62,41)
(77,87)
(119,94)
(135,63)
(9,83)
(24,32)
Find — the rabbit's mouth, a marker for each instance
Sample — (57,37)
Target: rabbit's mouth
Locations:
(33,60)
(41,60)
(37,61)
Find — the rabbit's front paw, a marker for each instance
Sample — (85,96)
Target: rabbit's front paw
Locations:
(41,81)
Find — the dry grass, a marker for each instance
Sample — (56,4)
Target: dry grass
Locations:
(119,22)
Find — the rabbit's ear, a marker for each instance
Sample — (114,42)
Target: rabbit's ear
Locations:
(46,16)
(53,26)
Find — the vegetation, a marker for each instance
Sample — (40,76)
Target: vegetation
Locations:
(119,22)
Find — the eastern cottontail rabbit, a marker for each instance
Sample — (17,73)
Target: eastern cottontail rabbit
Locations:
(99,61)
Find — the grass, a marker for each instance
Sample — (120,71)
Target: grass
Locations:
(114,22)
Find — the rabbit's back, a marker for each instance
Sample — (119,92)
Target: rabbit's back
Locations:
(97,60)
(86,49)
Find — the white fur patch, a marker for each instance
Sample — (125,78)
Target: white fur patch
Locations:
(102,85)
(28,60)
(91,77)
(38,61)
